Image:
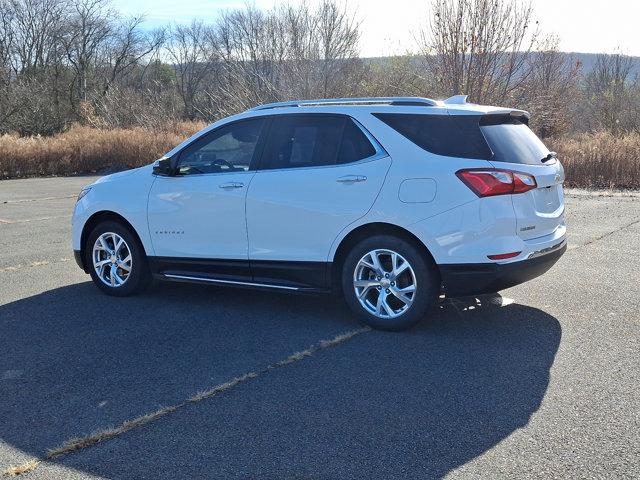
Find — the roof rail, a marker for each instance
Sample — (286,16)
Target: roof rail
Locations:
(406,101)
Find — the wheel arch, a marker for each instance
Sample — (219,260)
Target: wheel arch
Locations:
(95,219)
(376,228)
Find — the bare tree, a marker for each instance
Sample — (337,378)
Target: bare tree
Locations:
(6,40)
(192,55)
(396,76)
(128,48)
(338,37)
(30,56)
(286,52)
(35,27)
(478,47)
(7,108)
(322,50)
(609,90)
(551,91)
(90,27)
(64,61)
(252,47)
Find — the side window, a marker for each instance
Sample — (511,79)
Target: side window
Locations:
(355,144)
(302,141)
(447,135)
(227,149)
(312,140)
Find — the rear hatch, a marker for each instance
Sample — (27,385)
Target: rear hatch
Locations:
(540,211)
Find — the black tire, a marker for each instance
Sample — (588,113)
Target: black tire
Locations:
(139,277)
(427,282)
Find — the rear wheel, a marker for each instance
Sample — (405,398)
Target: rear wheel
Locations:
(389,283)
(116,260)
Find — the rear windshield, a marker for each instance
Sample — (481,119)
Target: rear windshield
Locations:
(499,138)
(512,141)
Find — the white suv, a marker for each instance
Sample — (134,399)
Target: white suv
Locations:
(392,201)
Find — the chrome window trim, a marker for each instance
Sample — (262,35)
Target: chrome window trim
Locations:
(380,151)
(372,158)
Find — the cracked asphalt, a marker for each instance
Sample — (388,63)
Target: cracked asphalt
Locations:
(540,382)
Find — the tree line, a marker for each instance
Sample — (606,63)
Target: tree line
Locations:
(80,61)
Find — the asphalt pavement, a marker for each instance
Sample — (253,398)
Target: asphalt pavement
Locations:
(541,381)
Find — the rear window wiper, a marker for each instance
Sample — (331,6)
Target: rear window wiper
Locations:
(550,156)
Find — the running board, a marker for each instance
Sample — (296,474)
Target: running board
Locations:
(218,281)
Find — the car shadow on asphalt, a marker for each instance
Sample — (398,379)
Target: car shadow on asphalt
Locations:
(414,404)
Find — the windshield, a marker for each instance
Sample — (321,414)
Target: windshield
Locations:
(513,141)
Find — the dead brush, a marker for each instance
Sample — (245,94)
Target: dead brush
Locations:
(600,160)
(83,150)
(591,160)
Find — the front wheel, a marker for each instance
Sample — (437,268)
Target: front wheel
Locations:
(116,260)
(389,283)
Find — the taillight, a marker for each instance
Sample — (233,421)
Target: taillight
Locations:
(523,182)
(487,182)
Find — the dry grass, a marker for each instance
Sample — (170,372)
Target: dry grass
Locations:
(21,469)
(591,160)
(211,392)
(600,160)
(84,149)
(102,435)
(80,443)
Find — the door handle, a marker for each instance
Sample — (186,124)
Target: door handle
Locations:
(352,179)
(231,185)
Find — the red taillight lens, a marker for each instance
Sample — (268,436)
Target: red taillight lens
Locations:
(523,182)
(487,182)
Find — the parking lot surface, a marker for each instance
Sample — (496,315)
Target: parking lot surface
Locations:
(541,381)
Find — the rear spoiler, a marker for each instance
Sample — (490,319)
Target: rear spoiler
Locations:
(503,115)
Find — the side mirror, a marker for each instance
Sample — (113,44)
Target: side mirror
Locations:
(164,167)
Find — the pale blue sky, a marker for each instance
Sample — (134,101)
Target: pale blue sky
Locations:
(388,27)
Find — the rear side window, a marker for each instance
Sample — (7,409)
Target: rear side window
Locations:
(355,144)
(314,140)
(448,135)
(512,141)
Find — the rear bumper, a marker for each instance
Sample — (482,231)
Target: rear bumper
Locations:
(479,278)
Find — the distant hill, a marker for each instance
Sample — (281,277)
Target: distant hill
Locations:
(587,60)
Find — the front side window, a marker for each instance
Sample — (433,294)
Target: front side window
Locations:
(313,140)
(229,148)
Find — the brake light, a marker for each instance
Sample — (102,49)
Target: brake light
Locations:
(487,182)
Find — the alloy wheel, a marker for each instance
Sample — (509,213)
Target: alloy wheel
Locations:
(112,260)
(384,283)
